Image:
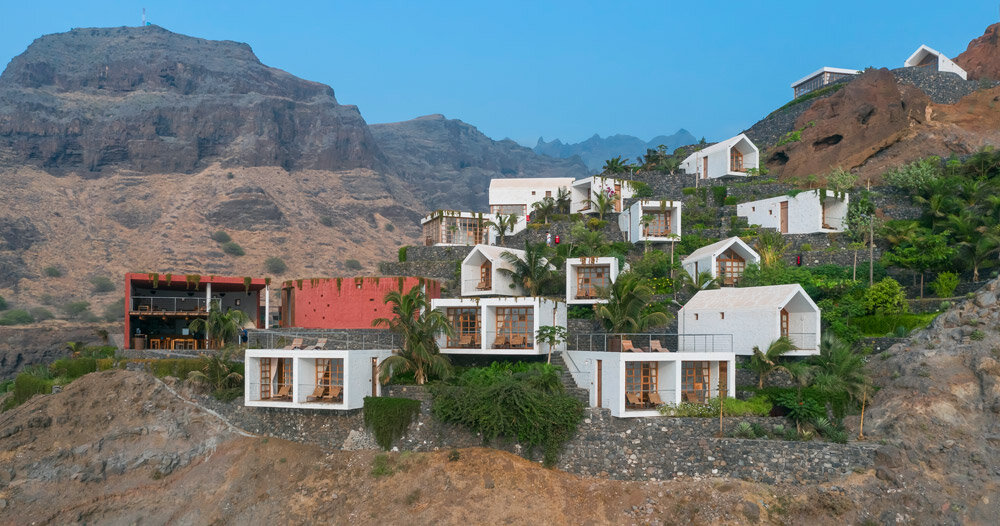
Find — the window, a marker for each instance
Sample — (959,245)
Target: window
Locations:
(590,279)
(515,328)
(265,378)
(329,372)
(485,276)
(784,323)
(465,321)
(731,266)
(659,224)
(722,315)
(284,375)
(696,316)
(641,379)
(735,160)
(548,193)
(696,381)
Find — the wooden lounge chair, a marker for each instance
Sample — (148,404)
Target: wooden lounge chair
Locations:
(654,346)
(483,286)
(320,344)
(333,394)
(634,401)
(317,393)
(518,341)
(465,341)
(500,342)
(296,344)
(285,393)
(654,398)
(628,347)
(690,397)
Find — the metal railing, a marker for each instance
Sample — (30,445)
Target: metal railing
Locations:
(474,285)
(650,342)
(336,339)
(275,388)
(509,340)
(463,341)
(170,303)
(803,340)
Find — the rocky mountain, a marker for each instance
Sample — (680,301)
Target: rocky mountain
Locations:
(982,58)
(448,163)
(595,150)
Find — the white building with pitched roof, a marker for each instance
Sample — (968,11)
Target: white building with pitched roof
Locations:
(733,156)
(928,57)
(726,259)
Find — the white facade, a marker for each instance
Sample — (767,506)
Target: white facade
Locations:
(819,78)
(517,196)
(607,376)
(926,56)
(288,378)
(456,228)
(482,276)
(707,258)
(500,326)
(805,213)
(587,277)
(665,221)
(587,189)
(733,156)
(755,316)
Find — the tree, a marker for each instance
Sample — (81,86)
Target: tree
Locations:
(926,251)
(603,201)
(221,326)
(703,281)
(766,362)
(588,242)
(840,180)
(855,246)
(771,246)
(839,370)
(543,209)
(504,223)
(563,200)
(217,371)
(550,335)
(615,165)
(885,298)
(646,219)
(533,271)
(417,326)
(625,312)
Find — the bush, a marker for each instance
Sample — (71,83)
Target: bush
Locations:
(756,406)
(52,272)
(389,418)
(16,317)
(799,408)
(352,264)
(977,335)
(326,221)
(719,194)
(3,303)
(40,313)
(885,297)
(790,137)
(641,190)
(580,312)
(389,227)
(401,254)
(102,284)
(879,325)
(73,368)
(115,310)
(690,190)
(945,284)
(806,247)
(275,265)
(76,309)
(27,385)
(221,237)
(732,200)
(232,248)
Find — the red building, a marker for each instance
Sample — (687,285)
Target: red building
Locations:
(159,307)
(344,303)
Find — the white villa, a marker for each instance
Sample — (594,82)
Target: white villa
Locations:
(664,220)
(499,326)
(455,228)
(311,379)
(806,213)
(819,78)
(755,316)
(726,259)
(927,57)
(633,384)
(515,196)
(585,190)
(482,276)
(587,277)
(733,156)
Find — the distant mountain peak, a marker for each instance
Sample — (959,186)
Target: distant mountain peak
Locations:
(595,150)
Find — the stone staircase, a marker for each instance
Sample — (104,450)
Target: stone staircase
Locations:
(568,382)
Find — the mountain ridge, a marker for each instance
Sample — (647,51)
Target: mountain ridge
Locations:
(595,150)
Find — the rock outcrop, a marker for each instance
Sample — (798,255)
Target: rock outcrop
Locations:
(981,60)
(144,99)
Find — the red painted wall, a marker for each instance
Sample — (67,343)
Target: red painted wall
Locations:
(322,304)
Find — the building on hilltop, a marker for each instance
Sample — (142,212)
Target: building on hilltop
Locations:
(731,157)
(755,316)
(516,196)
(344,303)
(159,307)
(725,260)
(819,78)
(310,378)
(807,212)
(927,57)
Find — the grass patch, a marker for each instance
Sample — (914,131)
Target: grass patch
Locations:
(873,326)
(826,90)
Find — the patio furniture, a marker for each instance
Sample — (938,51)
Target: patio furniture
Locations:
(317,393)
(634,401)
(654,398)
(518,341)
(333,394)
(500,342)
(628,347)
(465,341)
(296,344)
(285,393)
(483,286)
(691,397)
(154,343)
(320,344)
(654,346)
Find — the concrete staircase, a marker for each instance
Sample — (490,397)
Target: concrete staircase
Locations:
(568,382)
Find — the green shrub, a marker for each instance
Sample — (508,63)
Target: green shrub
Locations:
(227,395)
(945,284)
(388,418)
(76,309)
(945,305)
(275,265)
(719,194)
(580,312)
(641,190)
(220,236)
(885,297)
(806,247)
(790,137)
(690,190)
(756,406)
(389,227)
(27,385)
(73,368)
(352,264)
(977,335)
(3,303)
(454,455)
(233,248)
(880,325)
(16,317)
(381,467)
(799,408)
(40,313)
(326,221)
(52,272)
(401,254)
(732,200)
(102,284)
(115,310)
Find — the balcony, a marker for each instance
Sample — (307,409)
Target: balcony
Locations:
(602,342)
(464,341)
(166,305)
(477,285)
(510,340)
(803,340)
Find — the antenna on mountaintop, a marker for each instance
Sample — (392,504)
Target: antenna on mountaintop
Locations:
(144,22)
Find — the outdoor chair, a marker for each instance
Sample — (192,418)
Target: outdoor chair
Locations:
(654,398)
(317,393)
(690,397)
(284,393)
(333,394)
(500,342)
(320,344)
(654,346)
(483,286)
(519,341)
(296,344)
(465,341)
(634,401)
(628,347)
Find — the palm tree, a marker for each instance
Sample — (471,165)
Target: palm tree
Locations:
(976,249)
(603,202)
(563,200)
(217,371)
(76,349)
(544,208)
(703,281)
(771,246)
(418,327)
(645,220)
(221,326)
(625,312)
(504,223)
(766,362)
(615,165)
(855,246)
(839,370)
(533,271)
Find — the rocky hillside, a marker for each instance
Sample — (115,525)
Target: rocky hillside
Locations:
(982,58)
(595,150)
(448,163)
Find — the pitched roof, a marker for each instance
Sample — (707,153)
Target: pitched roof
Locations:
(716,248)
(748,298)
(721,145)
(495,253)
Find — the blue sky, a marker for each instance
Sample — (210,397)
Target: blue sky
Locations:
(555,69)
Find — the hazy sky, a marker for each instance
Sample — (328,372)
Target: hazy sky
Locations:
(555,69)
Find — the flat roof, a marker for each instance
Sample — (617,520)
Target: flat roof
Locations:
(528,182)
(825,70)
(179,281)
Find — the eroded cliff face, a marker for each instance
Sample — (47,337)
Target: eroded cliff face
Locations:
(144,99)
(981,60)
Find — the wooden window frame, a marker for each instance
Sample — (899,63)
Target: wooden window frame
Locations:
(516,321)
(784,324)
(735,160)
(486,275)
(265,378)
(642,378)
(696,377)
(466,321)
(730,266)
(660,225)
(590,279)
